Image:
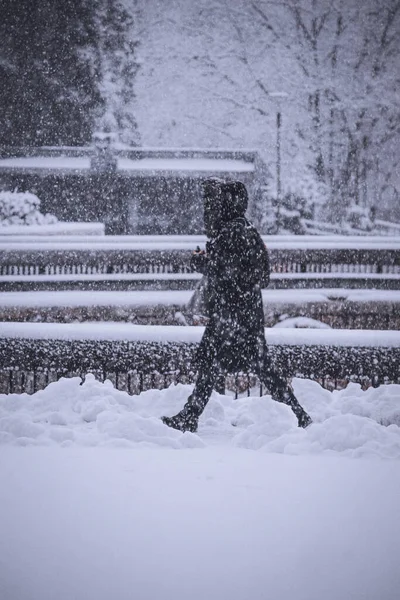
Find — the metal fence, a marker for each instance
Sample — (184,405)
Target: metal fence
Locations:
(105,265)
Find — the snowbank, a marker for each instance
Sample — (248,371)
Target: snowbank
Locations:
(104,501)
(301,323)
(351,422)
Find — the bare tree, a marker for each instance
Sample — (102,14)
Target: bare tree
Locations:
(348,54)
(216,64)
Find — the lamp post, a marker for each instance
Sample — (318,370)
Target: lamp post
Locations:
(278,96)
(278,155)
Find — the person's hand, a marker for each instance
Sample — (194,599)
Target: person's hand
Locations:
(198,260)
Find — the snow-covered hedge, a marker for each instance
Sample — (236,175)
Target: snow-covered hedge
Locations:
(30,364)
(81,306)
(22,208)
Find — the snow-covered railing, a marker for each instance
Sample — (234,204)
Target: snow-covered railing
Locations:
(337,308)
(120,264)
(138,358)
(388,227)
(320,227)
(380,228)
(62,228)
(168,241)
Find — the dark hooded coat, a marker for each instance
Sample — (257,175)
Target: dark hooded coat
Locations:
(236,266)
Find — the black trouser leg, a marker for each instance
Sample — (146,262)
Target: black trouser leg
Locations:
(282,391)
(207,378)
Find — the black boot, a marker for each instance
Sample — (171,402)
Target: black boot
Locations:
(186,420)
(287,397)
(304,419)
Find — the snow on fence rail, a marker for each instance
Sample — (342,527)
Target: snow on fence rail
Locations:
(165,265)
(390,228)
(319,241)
(338,308)
(62,228)
(138,358)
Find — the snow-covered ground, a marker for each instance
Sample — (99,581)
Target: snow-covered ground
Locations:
(99,500)
(350,422)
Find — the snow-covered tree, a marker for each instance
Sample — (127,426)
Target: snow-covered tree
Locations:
(212,69)
(348,52)
(117,66)
(67,69)
(48,91)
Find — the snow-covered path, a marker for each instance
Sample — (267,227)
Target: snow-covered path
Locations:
(95,524)
(99,500)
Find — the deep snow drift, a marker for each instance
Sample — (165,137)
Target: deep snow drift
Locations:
(104,501)
(350,422)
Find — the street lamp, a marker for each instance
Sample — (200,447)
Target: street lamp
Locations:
(278,96)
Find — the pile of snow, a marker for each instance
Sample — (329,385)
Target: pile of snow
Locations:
(22,208)
(301,323)
(225,516)
(350,422)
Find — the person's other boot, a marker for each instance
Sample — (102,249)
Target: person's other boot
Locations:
(185,420)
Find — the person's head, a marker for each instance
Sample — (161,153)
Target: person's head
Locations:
(223,202)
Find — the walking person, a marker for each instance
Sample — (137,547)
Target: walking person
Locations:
(236,266)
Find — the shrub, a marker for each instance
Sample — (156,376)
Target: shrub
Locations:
(22,208)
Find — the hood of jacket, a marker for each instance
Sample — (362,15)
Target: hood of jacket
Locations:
(223,202)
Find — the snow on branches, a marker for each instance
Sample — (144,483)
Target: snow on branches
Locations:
(22,208)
